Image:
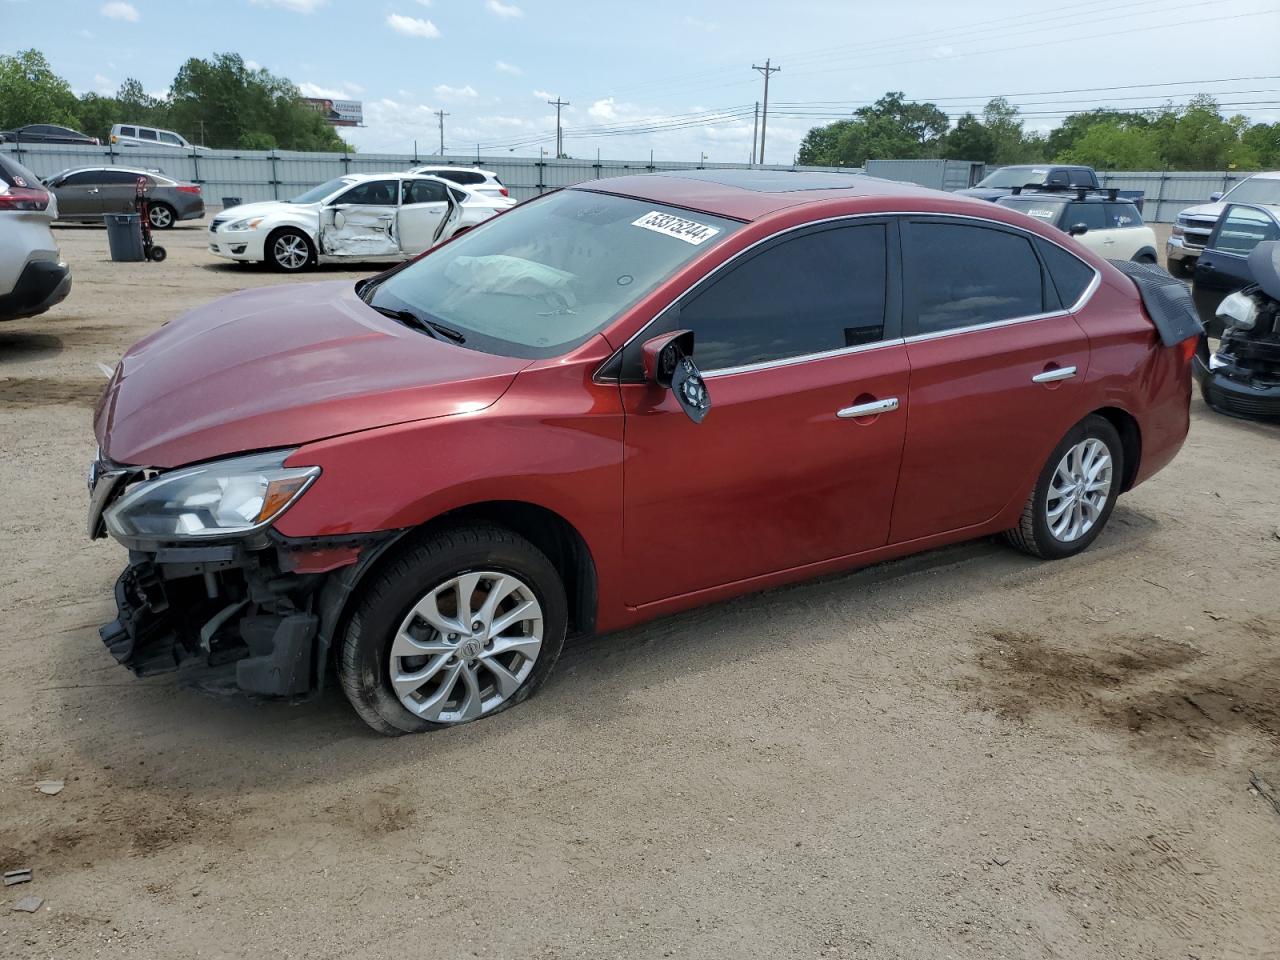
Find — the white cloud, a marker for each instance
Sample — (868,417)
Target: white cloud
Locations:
(507,11)
(412,26)
(446,92)
(87,34)
(118,10)
(424,3)
(103,84)
(308,89)
(253,65)
(544,95)
(943,51)
(297,6)
(353,87)
(603,110)
(707,25)
(503,67)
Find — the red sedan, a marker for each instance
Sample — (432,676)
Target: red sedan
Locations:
(611,403)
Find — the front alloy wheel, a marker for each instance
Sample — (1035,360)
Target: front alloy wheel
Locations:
(459,625)
(289,251)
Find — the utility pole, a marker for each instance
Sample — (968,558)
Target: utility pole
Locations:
(764,116)
(755,133)
(441,114)
(558,103)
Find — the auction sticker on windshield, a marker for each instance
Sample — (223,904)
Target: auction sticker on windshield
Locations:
(690,231)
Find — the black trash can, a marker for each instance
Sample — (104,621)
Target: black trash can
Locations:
(124,236)
(231,202)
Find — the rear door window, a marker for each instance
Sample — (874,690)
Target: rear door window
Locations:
(421,191)
(118,176)
(958,275)
(146,134)
(822,291)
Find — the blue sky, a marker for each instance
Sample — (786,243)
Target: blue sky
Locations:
(671,77)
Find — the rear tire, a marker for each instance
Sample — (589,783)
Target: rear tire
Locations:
(1068,509)
(162,216)
(403,629)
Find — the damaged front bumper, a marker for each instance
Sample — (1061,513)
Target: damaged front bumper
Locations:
(1242,379)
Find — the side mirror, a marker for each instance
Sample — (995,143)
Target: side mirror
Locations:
(1077,229)
(1215,196)
(339,219)
(668,363)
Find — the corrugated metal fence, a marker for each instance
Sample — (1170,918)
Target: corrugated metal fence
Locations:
(269,175)
(276,175)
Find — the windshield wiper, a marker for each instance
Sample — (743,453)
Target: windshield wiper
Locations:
(411,319)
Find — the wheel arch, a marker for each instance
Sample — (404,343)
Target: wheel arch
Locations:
(1146,252)
(298,228)
(550,532)
(1130,440)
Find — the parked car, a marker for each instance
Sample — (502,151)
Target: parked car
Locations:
(1194,224)
(1222,266)
(32,275)
(1242,378)
(616,401)
(483,182)
(87,193)
(1108,226)
(46,133)
(359,217)
(135,135)
(1051,176)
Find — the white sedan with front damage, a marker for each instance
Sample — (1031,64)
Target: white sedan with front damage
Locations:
(376,217)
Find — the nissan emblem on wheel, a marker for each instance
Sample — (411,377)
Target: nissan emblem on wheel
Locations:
(423,481)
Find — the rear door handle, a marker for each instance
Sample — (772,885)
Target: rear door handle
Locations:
(868,409)
(1054,375)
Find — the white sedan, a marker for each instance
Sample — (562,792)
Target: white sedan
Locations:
(381,217)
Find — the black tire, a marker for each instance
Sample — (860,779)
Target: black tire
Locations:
(389,596)
(158,254)
(1182,268)
(276,258)
(162,216)
(1032,535)
(1147,258)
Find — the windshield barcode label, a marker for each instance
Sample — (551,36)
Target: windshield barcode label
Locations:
(689,231)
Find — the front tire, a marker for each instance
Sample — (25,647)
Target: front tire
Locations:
(460,626)
(1075,493)
(290,251)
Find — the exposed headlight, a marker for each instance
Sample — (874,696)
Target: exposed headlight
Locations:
(225,498)
(1238,311)
(250,223)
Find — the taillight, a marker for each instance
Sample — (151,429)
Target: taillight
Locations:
(24,198)
(505,192)
(188,189)
(1187,348)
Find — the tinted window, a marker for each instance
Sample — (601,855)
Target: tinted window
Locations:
(814,293)
(1058,178)
(145,134)
(380,193)
(1070,275)
(82,178)
(458,195)
(1242,229)
(1092,215)
(128,131)
(170,139)
(15,174)
(424,191)
(956,275)
(118,176)
(1081,178)
(1121,215)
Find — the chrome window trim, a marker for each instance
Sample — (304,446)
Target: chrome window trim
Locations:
(1079,304)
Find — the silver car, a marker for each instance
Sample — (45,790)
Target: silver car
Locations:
(87,193)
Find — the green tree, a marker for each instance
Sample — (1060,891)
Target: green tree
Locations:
(1000,118)
(1115,146)
(970,140)
(1064,137)
(30,92)
(1263,142)
(820,145)
(239,107)
(1195,137)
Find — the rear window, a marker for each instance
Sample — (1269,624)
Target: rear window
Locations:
(1070,275)
(15,174)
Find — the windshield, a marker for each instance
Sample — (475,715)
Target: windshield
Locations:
(316,194)
(1014,177)
(1038,207)
(1255,190)
(541,279)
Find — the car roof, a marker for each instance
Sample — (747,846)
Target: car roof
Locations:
(109,166)
(749,194)
(1265,175)
(453,166)
(1064,195)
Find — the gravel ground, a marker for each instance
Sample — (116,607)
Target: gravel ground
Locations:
(966,754)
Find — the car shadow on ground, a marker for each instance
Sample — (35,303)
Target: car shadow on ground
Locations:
(26,346)
(229,731)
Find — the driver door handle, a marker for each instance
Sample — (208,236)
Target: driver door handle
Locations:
(1054,375)
(887,405)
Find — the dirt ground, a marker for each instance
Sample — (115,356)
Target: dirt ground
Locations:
(966,754)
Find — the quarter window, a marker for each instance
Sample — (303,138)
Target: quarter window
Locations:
(1070,275)
(810,294)
(170,138)
(957,275)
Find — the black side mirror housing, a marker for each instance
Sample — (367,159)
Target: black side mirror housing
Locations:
(668,363)
(1077,229)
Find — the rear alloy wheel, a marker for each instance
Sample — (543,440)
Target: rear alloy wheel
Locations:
(459,627)
(161,216)
(1075,493)
(289,251)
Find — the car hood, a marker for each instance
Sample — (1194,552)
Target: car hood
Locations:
(1209,211)
(282,366)
(261,208)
